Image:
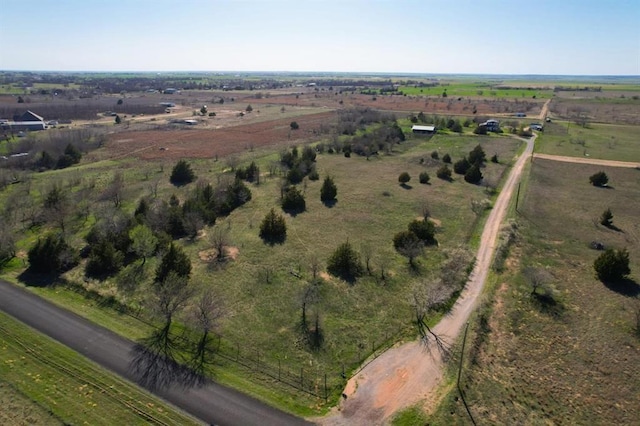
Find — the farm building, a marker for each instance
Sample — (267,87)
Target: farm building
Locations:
(423,130)
(491,125)
(28,121)
(29,116)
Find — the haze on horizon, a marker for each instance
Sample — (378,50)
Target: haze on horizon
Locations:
(565,37)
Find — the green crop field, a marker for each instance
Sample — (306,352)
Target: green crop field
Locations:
(71,389)
(457,89)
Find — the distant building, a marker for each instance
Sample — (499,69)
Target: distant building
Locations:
(30,116)
(29,121)
(423,130)
(491,125)
(170,91)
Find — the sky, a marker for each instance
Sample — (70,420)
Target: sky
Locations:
(551,37)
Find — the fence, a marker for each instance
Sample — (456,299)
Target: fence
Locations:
(321,384)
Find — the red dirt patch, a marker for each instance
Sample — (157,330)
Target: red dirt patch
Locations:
(208,143)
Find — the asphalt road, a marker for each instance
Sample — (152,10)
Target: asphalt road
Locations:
(211,403)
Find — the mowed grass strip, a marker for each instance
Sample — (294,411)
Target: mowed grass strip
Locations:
(576,360)
(70,387)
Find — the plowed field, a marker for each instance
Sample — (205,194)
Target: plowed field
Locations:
(208,143)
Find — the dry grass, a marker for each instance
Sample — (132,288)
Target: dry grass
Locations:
(577,360)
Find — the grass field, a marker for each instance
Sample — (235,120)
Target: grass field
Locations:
(263,317)
(575,360)
(64,387)
(605,141)
(478,89)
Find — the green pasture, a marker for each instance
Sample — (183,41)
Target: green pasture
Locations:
(67,386)
(263,317)
(603,141)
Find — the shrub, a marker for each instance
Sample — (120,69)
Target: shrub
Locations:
(607,218)
(174,261)
(273,228)
(329,191)
(294,125)
(434,155)
(408,244)
(446,159)
(293,201)
(473,175)
(424,177)
(444,172)
(182,174)
(461,166)
(345,263)
(104,259)
(424,230)
(313,175)
(612,265)
(480,130)
(494,158)
(51,254)
(404,178)
(477,155)
(599,179)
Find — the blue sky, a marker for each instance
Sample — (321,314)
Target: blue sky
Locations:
(571,37)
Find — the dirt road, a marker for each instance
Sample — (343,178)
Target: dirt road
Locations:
(594,161)
(408,374)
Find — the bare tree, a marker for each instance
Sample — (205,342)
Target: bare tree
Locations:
(204,315)
(538,278)
(456,268)
(219,239)
(424,210)
(114,191)
(426,298)
(314,263)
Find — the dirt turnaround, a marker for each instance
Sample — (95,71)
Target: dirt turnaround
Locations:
(409,373)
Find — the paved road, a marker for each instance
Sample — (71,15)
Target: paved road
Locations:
(211,403)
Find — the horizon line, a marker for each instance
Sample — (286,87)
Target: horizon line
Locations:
(380,73)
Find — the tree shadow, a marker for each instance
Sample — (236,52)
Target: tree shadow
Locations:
(294,212)
(626,287)
(155,363)
(36,279)
(273,240)
(330,203)
(547,304)
(613,228)
(405,186)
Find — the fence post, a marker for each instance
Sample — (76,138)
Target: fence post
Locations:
(326,395)
(301,377)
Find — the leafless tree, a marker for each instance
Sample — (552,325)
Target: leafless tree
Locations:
(314,263)
(219,240)
(424,210)
(456,268)
(204,315)
(426,298)
(538,278)
(114,191)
